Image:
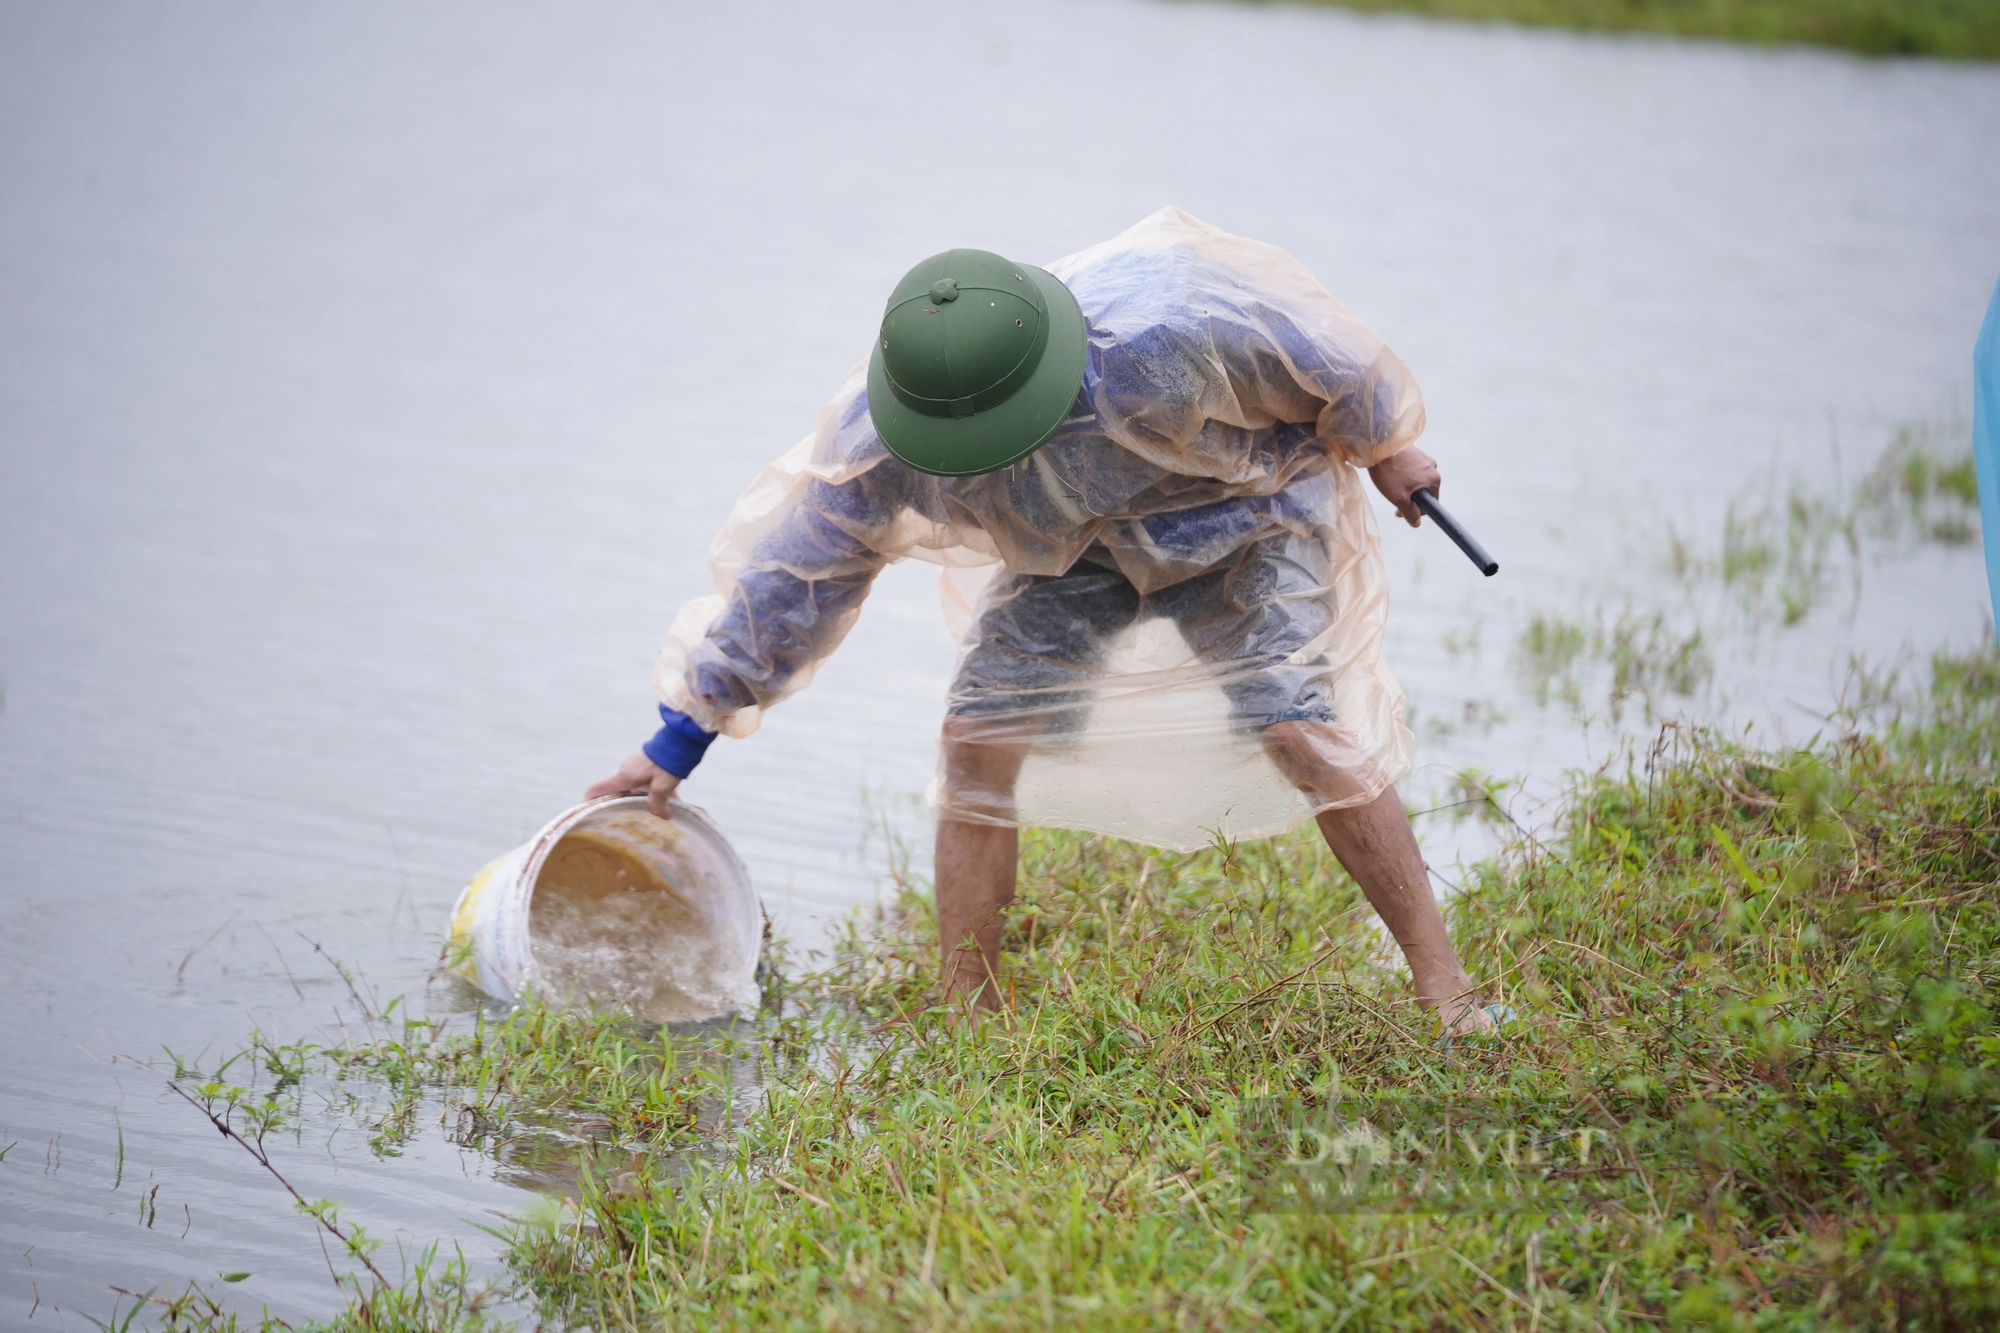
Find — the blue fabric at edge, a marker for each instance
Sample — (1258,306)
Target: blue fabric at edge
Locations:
(679,745)
(1986,441)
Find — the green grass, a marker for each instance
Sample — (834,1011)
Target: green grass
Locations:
(1755,1087)
(1958,29)
(435,1295)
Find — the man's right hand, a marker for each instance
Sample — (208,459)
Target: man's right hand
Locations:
(637,776)
(1401,475)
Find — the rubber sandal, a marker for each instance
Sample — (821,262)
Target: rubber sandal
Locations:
(1502,1015)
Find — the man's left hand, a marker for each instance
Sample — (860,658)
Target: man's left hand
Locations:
(1407,470)
(638,776)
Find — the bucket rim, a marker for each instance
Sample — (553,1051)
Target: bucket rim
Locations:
(522,890)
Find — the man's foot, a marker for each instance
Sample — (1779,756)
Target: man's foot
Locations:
(965,1009)
(1448,992)
(969,985)
(1470,1016)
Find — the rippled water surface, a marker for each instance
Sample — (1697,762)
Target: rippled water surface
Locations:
(374,377)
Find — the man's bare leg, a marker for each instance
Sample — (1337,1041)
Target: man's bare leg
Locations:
(975,882)
(975,863)
(1374,841)
(1376,845)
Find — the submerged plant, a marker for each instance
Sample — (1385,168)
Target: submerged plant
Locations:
(1925,482)
(1773,565)
(1548,655)
(1781,556)
(436,1295)
(1632,656)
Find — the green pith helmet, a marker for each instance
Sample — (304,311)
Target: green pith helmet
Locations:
(977,363)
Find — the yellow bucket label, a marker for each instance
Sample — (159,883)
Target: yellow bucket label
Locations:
(459,950)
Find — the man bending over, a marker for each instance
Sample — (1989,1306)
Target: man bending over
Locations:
(1150,456)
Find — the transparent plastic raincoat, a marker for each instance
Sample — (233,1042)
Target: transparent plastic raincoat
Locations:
(1189,560)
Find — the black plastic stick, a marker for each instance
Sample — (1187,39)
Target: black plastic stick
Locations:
(1467,543)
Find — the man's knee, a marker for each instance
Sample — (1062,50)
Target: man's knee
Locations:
(960,730)
(982,758)
(1319,758)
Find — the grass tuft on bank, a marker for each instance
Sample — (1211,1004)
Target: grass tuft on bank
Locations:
(1754,1085)
(1955,29)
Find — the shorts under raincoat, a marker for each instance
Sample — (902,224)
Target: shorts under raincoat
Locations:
(1188,559)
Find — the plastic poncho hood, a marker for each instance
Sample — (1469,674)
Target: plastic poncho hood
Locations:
(1189,557)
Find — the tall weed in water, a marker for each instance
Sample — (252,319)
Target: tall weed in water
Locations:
(436,1295)
(1926,482)
(1753,1086)
(1626,656)
(1550,651)
(542,1092)
(1780,555)
(1774,562)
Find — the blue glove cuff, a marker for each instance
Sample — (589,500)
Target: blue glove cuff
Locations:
(678,745)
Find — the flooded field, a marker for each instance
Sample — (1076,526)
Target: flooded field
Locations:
(376,378)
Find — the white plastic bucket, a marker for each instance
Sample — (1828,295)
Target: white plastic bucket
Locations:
(609,907)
